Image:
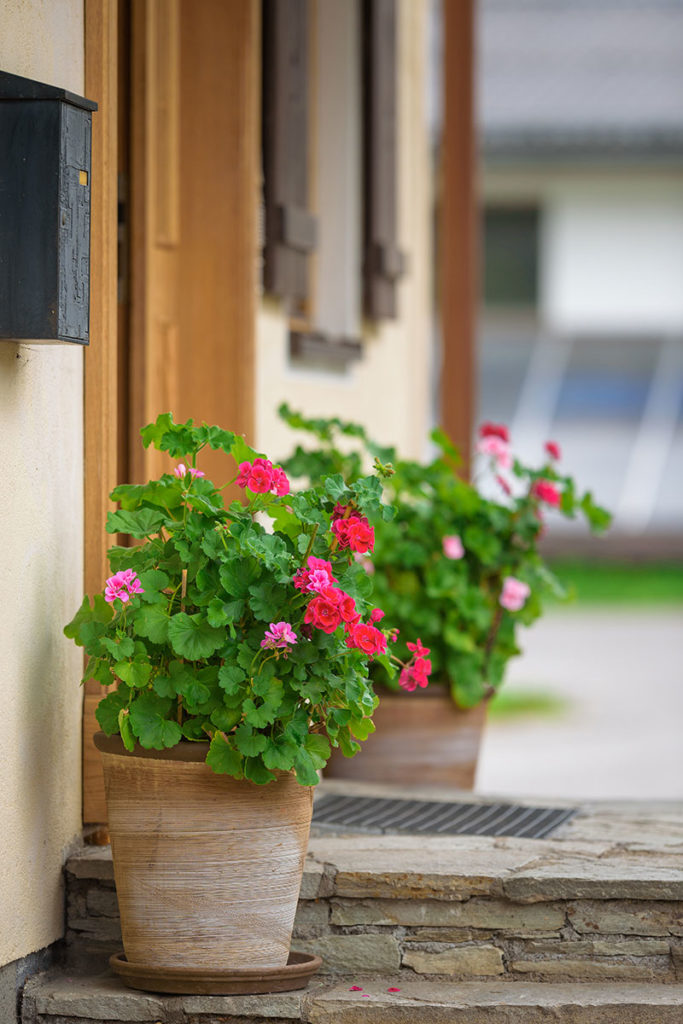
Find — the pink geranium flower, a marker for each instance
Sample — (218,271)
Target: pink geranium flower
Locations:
(553,449)
(452,547)
(514,594)
(316,577)
(494,430)
(261,476)
(366,638)
(418,648)
(122,586)
(323,611)
(546,491)
(280,482)
(417,672)
(496,449)
(280,636)
(354,532)
(503,484)
(181,470)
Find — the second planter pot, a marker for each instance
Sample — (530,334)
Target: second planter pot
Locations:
(421,739)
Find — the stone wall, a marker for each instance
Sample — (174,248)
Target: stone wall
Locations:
(441,934)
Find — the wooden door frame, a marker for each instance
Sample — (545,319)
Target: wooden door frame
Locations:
(458,252)
(209,238)
(100,360)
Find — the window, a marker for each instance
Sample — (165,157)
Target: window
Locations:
(510,251)
(329,164)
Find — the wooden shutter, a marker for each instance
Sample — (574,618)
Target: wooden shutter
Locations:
(290,228)
(383,263)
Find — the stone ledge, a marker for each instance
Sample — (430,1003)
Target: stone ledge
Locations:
(50,998)
(619,876)
(457,868)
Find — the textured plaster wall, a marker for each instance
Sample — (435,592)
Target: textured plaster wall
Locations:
(41,538)
(390,389)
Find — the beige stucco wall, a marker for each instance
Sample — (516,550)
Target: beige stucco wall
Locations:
(389,390)
(41,537)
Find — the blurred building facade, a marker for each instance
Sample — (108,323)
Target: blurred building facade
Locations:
(580,118)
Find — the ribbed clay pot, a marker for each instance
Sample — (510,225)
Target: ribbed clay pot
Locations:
(421,739)
(207,868)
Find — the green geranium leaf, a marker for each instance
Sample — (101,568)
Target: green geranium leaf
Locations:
(306,774)
(280,754)
(151,621)
(231,679)
(153,432)
(128,496)
(335,487)
(356,582)
(256,771)
(266,713)
(361,727)
(134,673)
(192,637)
(272,550)
(153,581)
(216,438)
(216,613)
(149,722)
(100,612)
(99,669)
(318,749)
(223,758)
(266,601)
(368,492)
(107,711)
(212,544)
(598,518)
(202,504)
(241,452)
(119,648)
(194,729)
(226,719)
(285,521)
(249,742)
(238,575)
(126,730)
(142,523)
(179,440)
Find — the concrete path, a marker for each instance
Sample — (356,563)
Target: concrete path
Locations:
(621,673)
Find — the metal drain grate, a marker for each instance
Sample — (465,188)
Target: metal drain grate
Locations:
(378,814)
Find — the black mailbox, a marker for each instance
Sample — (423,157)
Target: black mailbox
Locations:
(45,140)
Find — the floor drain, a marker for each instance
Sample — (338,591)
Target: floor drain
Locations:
(383,815)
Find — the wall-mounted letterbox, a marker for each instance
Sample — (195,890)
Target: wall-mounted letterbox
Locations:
(45,139)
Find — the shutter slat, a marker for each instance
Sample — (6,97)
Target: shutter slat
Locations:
(298,228)
(383,262)
(290,229)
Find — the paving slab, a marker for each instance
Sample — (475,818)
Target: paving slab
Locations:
(59,998)
(617,876)
(432,867)
(499,1003)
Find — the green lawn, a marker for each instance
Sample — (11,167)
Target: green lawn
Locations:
(525,704)
(607,583)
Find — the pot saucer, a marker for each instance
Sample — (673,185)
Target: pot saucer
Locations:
(204,981)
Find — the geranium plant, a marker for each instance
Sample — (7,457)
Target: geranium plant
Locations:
(457,567)
(249,626)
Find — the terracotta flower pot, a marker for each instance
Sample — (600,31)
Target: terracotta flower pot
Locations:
(207,868)
(421,739)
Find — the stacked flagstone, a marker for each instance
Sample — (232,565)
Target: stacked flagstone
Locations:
(590,922)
